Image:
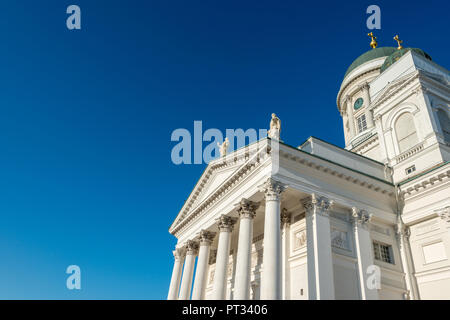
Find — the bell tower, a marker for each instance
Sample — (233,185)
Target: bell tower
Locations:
(395,107)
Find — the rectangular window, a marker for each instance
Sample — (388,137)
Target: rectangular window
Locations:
(362,124)
(410,169)
(383,252)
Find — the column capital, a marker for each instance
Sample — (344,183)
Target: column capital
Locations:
(272,189)
(402,231)
(191,247)
(226,223)
(206,237)
(364,86)
(444,213)
(247,208)
(347,99)
(317,204)
(285,217)
(179,253)
(360,217)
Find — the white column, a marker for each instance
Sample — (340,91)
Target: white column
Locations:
(351,120)
(247,211)
(188,272)
(319,254)
(402,235)
(368,112)
(271,271)
(285,229)
(206,238)
(225,225)
(364,253)
(346,127)
(179,255)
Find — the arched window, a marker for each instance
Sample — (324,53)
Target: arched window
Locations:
(406,132)
(445,124)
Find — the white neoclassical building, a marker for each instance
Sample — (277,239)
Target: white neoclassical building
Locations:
(272,221)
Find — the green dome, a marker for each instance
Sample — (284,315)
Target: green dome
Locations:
(399,53)
(370,55)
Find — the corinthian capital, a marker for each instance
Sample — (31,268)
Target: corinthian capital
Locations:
(247,208)
(206,237)
(285,217)
(272,189)
(226,223)
(191,247)
(401,230)
(317,204)
(444,213)
(179,253)
(347,99)
(360,217)
(364,86)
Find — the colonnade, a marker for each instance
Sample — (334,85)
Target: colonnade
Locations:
(319,252)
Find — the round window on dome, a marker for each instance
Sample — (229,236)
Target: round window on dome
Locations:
(358,103)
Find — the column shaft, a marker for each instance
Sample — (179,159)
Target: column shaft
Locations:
(351,120)
(176,275)
(271,272)
(345,120)
(319,254)
(364,253)
(285,227)
(368,112)
(223,252)
(243,261)
(188,272)
(402,234)
(198,292)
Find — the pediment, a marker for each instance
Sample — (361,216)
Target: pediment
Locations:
(392,88)
(214,176)
(213,181)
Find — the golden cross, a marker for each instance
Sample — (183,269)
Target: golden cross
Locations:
(399,42)
(373,43)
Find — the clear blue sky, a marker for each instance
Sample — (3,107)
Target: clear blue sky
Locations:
(86,118)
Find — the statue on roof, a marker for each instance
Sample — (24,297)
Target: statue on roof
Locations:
(275,127)
(223,148)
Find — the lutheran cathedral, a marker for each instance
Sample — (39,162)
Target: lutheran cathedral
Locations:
(316,221)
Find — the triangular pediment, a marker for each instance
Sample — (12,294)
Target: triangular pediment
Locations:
(219,176)
(214,180)
(215,175)
(392,88)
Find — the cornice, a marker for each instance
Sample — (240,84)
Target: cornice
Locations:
(365,143)
(368,182)
(244,170)
(351,82)
(429,180)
